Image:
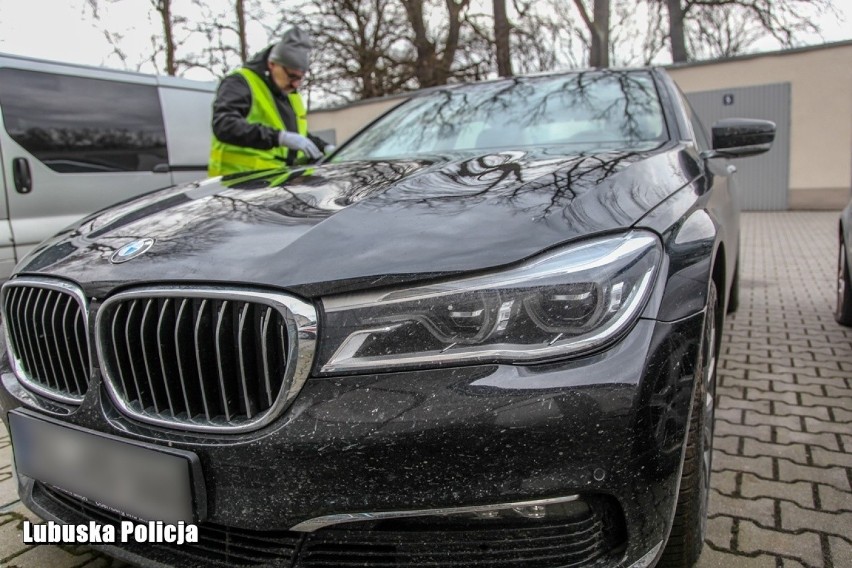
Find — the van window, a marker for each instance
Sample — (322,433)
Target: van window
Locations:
(76,124)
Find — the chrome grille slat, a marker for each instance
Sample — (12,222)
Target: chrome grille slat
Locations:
(13,304)
(282,340)
(43,340)
(23,340)
(199,357)
(161,343)
(265,335)
(115,344)
(130,357)
(223,391)
(232,351)
(145,348)
(13,307)
(60,361)
(43,318)
(37,316)
(242,359)
(82,344)
(33,361)
(71,362)
(179,359)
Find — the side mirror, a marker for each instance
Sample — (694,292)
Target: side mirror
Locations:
(741,137)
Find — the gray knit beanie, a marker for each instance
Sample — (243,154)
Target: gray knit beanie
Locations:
(293,51)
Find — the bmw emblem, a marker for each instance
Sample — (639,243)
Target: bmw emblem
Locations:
(131,250)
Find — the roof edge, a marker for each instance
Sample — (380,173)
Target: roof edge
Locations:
(747,56)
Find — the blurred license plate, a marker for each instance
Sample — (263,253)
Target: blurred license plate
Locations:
(137,480)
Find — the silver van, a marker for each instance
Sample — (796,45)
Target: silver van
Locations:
(75,139)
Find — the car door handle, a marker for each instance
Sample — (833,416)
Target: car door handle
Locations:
(732,168)
(21,174)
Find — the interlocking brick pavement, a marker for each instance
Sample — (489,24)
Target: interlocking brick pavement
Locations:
(785,398)
(782,481)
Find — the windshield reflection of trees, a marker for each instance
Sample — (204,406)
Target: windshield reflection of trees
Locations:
(619,107)
(538,187)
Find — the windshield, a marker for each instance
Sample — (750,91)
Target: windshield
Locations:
(583,110)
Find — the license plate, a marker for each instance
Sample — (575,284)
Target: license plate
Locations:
(138,480)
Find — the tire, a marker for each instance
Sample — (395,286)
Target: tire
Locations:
(686,538)
(734,294)
(843,311)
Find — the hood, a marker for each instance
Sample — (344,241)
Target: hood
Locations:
(344,226)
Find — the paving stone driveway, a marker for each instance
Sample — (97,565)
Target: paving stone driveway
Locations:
(783,461)
(782,481)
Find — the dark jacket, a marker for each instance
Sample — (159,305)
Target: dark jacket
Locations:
(233,103)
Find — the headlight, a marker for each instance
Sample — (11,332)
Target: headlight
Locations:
(565,302)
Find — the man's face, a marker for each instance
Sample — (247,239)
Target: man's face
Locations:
(286,79)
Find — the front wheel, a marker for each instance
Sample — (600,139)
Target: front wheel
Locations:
(688,527)
(843,309)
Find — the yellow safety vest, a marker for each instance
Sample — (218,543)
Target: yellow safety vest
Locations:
(229,159)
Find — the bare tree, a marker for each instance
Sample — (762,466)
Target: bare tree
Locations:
(273,19)
(598,26)
(164,9)
(240,10)
(722,32)
(537,31)
(521,35)
(114,38)
(369,48)
(677,37)
(435,53)
(361,51)
(166,43)
(638,33)
(501,39)
(654,38)
(782,19)
(219,35)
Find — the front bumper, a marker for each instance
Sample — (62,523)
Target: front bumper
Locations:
(608,427)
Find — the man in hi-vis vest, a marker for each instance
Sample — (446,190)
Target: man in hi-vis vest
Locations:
(259,118)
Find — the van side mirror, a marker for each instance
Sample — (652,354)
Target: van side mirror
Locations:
(741,137)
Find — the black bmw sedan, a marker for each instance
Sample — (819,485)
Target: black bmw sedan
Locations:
(483,333)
